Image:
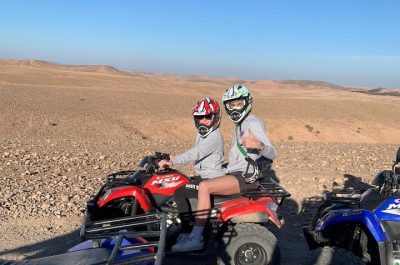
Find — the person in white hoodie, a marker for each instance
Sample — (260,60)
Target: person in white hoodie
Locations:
(249,140)
(207,155)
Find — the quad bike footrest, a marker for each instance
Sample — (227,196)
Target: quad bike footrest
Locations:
(314,239)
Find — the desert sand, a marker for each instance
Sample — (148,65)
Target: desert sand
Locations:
(63,128)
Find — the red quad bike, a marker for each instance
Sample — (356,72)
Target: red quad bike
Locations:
(236,232)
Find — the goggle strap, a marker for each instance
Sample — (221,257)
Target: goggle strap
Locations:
(240,147)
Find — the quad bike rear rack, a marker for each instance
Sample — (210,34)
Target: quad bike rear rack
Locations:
(149,228)
(268,187)
(348,196)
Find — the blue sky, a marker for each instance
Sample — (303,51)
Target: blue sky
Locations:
(348,42)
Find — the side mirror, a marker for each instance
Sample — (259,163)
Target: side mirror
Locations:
(145,160)
(398,155)
(378,179)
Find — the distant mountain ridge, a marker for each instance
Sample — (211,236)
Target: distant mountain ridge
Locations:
(107,69)
(311,83)
(104,69)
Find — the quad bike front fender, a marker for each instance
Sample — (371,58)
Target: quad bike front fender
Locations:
(121,192)
(366,218)
(247,210)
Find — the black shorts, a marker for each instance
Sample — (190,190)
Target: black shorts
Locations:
(243,185)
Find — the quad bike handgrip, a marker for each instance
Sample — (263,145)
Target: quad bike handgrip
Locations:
(161,156)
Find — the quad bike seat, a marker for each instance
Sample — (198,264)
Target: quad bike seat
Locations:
(219,199)
(264,165)
(82,257)
(371,199)
(266,187)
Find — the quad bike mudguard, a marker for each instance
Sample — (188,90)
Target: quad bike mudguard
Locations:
(245,210)
(256,206)
(125,191)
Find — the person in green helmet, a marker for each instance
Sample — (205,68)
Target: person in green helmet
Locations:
(249,139)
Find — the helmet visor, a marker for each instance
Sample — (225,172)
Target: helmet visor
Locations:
(235,104)
(201,117)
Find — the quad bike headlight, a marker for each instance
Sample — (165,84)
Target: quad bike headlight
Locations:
(272,206)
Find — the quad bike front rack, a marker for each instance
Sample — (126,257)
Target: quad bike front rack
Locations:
(149,228)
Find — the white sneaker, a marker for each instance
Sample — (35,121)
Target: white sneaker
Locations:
(190,243)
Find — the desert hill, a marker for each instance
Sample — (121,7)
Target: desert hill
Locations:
(102,101)
(105,69)
(311,83)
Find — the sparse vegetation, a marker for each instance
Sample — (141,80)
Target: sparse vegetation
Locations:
(311,130)
(290,138)
(309,127)
(378,92)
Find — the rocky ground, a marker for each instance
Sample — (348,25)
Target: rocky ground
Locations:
(45,184)
(63,129)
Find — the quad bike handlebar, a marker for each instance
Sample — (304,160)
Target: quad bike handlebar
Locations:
(150,163)
(388,181)
(148,166)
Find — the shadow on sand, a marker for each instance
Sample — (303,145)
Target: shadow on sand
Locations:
(44,248)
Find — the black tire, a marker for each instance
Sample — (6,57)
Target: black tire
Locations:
(248,244)
(331,255)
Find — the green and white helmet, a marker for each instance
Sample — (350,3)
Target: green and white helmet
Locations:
(237,101)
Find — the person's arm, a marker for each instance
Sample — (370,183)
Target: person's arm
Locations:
(198,152)
(256,138)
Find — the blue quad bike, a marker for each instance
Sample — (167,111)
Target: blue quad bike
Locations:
(130,240)
(358,226)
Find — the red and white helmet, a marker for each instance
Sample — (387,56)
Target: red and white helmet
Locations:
(209,109)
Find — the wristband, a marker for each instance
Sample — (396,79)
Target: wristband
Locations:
(261,147)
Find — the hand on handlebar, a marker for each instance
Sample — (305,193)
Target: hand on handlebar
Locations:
(165,164)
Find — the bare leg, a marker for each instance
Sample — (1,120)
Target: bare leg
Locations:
(224,185)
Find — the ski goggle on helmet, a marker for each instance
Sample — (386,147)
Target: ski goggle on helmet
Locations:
(206,109)
(237,101)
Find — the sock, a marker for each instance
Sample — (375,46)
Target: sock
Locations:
(197,231)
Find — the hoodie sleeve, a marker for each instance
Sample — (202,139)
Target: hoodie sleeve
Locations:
(203,148)
(258,130)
